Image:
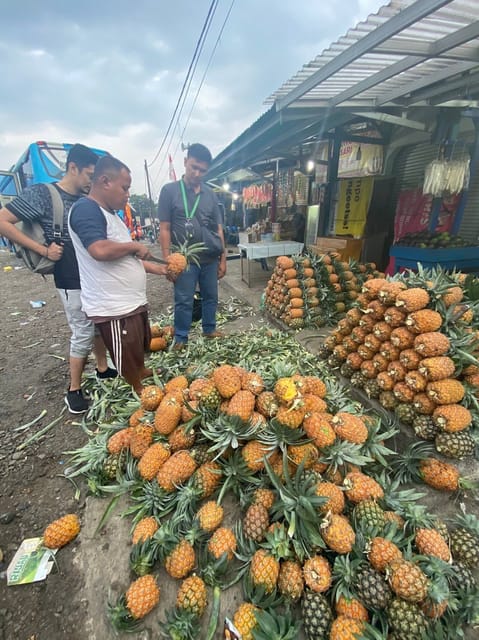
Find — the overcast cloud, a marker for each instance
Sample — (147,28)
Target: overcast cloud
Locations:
(108,74)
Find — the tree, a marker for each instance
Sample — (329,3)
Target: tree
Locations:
(144,207)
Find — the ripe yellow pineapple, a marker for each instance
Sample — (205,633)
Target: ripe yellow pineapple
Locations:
(307,454)
(447,391)
(267,404)
(408,581)
(315,386)
(244,619)
(453,295)
(175,470)
(207,478)
(359,487)
(424,321)
(285,390)
(264,570)
(317,426)
(253,453)
(183,437)
(176,263)
(227,380)
(351,608)
(317,573)
(291,416)
(290,580)
(255,522)
(432,344)
(151,461)
(210,516)
(252,382)
(413,299)
(144,529)
(181,560)
(264,497)
(439,475)
(168,414)
(136,417)
(178,383)
(141,438)
(382,552)
(222,541)
(119,440)
(142,596)
(151,396)
(192,596)
(335,497)
(314,404)
(337,533)
(346,628)
(350,427)
(242,405)
(430,542)
(452,418)
(61,531)
(437,368)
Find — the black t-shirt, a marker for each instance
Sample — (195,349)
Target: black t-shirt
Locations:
(35,205)
(171,209)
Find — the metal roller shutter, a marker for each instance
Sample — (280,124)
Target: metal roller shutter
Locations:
(469,229)
(410,166)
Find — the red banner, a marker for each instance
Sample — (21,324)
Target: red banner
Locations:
(413,213)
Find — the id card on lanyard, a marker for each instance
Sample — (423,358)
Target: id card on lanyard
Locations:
(189,214)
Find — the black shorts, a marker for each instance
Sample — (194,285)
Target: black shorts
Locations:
(127,340)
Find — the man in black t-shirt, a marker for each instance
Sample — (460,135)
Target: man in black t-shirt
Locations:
(35,205)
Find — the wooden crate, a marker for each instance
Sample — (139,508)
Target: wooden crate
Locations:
(346,247)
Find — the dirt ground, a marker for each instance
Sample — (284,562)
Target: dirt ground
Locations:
(33,378)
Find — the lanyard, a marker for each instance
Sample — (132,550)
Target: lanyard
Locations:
(189,214)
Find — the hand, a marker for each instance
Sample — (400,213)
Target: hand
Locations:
(142,252)
(221,268)
(54,252)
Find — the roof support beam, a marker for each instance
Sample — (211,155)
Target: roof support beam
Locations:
(471,80)
(396,24)
(387,117)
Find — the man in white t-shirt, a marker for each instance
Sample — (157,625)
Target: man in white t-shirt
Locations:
(112,270)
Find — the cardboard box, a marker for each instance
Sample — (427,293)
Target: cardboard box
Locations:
(346,247)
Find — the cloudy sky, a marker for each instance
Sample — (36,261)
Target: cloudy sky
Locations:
(109,73)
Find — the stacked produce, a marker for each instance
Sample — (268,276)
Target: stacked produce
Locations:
(314,290)
(270,474)
(412,343)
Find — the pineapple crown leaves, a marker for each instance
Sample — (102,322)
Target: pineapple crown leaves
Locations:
(180,625)
(119,616)
(338,398)
(396,498)
(345,570)
(275,626)
(227,431)
(237,477)
(256,594)
(405,466)
(89,458)
(219,572)
(143,556)
(467,521)
(374,447)
(189,251)
(279,435)
(149,499)
(342,453)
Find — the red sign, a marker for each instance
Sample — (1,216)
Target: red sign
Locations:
(413,213)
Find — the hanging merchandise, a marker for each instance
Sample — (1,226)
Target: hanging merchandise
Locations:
(257,195)
(301,187)
(285,188)
(446,176)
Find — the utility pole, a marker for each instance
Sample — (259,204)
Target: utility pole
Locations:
(152,205)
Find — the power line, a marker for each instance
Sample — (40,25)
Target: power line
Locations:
(199,45)
(199,88)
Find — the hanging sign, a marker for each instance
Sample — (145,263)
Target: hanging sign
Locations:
(413,213)
(353,204)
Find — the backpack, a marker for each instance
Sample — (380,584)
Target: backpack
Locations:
(34,261)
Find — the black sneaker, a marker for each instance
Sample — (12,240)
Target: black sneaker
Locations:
(75,402)
(107,374)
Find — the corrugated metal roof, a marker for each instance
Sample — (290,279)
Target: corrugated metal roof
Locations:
(392,56)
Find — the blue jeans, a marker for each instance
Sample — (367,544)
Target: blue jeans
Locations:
(206,275)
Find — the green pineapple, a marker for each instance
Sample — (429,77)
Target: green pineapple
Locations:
(461,578)
(372,388)
(358,379)
(372,589)
(388,400)
(405,412)
(369,515)
(465,541)
(455,445)
(115,463)
(346,370)
(406,619)
(424,427)
(317,615)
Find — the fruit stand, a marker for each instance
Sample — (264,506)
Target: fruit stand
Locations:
(262,250)
(465,259)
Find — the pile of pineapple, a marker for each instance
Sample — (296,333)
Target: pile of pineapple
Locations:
(314,289)
(277,479)
(412,343)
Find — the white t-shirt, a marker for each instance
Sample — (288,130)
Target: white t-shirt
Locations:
(112,288)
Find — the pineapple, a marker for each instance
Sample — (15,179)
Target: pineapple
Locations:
(385,381)
(206,478)
(416,381)
(430,542)
(176,470)
(382,552)
(452,418)
(346,628)
(394,317)
(402,338)
(210,516)
(136,417)
(267,404)
(291,416)
(119,440)
(209,397)
(317,615)
(256,522)
(244,620)
(227,380)
(465,541)
(180,561)
(264,570)
(242,405)
(252,382)
(437,368)
(352,608)
(141,439)
(168,414)
(222,541)
(115,463)
(144,529)
(388,400)
(447,391)
(410,359)
(150,397)
(424,427)
(413,299)
(264,497)
(358,487)
(317,427)
(317,574)
(337,533)
(372,589)
(305,454)
(313,404)
(369,515)
(455,445)
(192,596)
(408,581)
(177,383)
(453,295)
(151,461)
(350,427)
(183,437)
(254,453)
(314,385)
(424,321)
(432,344)
(406,619)
(290,580)
(423,404)
(62,531)
(405,412)
(439,475)
(335,497)
(285,390)
(142,596)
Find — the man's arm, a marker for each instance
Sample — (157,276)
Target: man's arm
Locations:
(155,268)
(165,239)
(107,250)
(222,262)
(8,229)
(165,203)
